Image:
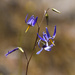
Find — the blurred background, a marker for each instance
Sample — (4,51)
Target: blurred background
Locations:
(59,61)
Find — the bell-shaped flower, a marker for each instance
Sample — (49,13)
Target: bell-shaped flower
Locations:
(18,48)
(31,22)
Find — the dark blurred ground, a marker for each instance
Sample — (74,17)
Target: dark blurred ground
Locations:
(60,61)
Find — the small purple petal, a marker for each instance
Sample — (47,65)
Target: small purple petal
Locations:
(32,17)
(26,18)
(50,49)
(34,21)
(52,44)
(46,43)
(39,43)
(40,37)
(47,32)
(9,52)
(29,22)
(54,33)
(47,48)
(39,51)
(45,37)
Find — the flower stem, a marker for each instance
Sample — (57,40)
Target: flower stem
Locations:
(35,43)
(32,52)
(20,39)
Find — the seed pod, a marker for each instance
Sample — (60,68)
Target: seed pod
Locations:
(55,10)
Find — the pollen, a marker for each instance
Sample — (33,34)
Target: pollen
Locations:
(21,49)
(52,42)
(27,29)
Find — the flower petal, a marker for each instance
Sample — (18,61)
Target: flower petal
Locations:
(45,37)
(9,52)
(46,43)
(54,33)
(40,37)
(26,18)
(39,43)
(34,21)
(39,51)
(48,48)
(52,44)
(29,22)
(47,32)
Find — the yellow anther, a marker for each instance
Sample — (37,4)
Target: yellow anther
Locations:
(52,42)
(27,28)
(21,49)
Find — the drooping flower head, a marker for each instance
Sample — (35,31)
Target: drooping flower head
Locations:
(18,48)
(31,22)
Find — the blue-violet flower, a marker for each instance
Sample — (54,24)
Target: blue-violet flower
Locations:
(49,37)
(45,40)
(31,22)
(45,46)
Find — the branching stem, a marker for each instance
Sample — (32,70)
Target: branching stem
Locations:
(28,61)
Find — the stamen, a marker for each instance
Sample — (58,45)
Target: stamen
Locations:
(52,42)
(21,49)
(42,42)
(27,29)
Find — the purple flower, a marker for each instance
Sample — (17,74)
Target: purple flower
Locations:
(45,40)
(45,47)
(46,36)
(31,22)
(49,34)
(49,37)
(18,48)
